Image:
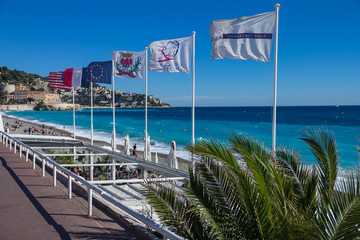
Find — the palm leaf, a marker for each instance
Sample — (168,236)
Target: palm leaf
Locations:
(171,206)
(242,190)
(340,218)
(323,146)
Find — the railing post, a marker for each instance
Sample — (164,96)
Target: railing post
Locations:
(90,193)
(34,160)
(6,141)
(54,176)
(10,144)
(69,187)
(20,150)
(14,147)
(91,167)
(27,155)
(43,167)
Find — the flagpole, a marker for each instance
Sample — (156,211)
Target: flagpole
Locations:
(114,132)
(92,125)
(146,100)
(113,107)
(193,98)
(275,78)
(73,90)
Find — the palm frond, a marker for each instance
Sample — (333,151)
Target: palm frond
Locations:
(323,146)
(304,178)
(171,206)
(340,218)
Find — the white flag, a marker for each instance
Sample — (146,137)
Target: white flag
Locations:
(76,77)
(243,38)
(172,55)
(129,64)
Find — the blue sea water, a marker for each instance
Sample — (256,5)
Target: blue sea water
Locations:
(168,124)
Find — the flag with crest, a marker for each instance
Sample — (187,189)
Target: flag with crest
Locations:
(129,64)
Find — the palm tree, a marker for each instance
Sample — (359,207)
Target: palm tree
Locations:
(263,196)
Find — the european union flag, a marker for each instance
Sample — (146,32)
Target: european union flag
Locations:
(100,72)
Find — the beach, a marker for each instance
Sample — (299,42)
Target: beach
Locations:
(25,125)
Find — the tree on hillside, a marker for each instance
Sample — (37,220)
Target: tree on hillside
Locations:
(269,197)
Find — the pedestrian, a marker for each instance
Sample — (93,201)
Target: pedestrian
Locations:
(134,150)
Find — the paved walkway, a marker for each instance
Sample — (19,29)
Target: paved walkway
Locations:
(32,208)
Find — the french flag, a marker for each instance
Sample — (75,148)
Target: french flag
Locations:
(75,77)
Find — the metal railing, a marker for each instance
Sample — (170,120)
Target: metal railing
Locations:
(10,141)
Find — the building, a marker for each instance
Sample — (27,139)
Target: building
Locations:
(20,87)
(10,96)
(52,98)
(20,95)
(38,96)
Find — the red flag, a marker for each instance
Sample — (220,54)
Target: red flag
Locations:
(56,80)
(68,75)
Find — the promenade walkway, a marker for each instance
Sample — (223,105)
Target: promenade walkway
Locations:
(32,208)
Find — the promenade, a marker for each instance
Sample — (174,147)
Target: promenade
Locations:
(32,208)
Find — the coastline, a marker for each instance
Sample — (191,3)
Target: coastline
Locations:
(162,157)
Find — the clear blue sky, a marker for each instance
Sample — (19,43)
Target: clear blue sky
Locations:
(319,47)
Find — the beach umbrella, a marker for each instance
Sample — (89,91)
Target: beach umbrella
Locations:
(156,158)
(126,145)
(148,149)
(171,159)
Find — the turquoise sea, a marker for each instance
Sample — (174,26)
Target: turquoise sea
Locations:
(168,124)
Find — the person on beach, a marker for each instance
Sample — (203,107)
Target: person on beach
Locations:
(136,174)
(134,150)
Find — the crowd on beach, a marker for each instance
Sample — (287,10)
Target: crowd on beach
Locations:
(31,129)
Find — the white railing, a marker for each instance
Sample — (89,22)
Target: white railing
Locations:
(9,141)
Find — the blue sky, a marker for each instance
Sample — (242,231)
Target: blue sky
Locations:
(319,47)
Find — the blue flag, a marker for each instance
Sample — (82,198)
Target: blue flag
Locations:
(85,80)
(100,72)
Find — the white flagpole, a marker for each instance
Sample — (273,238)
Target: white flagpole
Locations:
(193,97)
(275,78)
(146,100)
(92,125)
(73,90)
(114,132)
(113,107)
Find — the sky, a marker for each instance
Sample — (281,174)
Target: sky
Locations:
(319,47)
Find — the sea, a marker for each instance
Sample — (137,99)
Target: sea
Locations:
(174,124)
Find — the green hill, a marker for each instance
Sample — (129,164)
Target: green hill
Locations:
(19,77)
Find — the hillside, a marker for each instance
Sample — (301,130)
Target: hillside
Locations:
(102,95)
(30,80)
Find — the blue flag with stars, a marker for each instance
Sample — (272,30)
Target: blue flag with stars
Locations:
(100,72)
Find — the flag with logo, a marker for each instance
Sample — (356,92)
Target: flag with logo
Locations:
(243,38)
(56,80)
(100,72)
(172,55)
(129,64)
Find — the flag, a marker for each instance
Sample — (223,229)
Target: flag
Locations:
(100,72)
(171,55)
(243,38)
(84,79)
(74,77)
(68,81)
(56,80)
(129,64)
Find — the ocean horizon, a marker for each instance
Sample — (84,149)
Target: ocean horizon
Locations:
(174,124)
